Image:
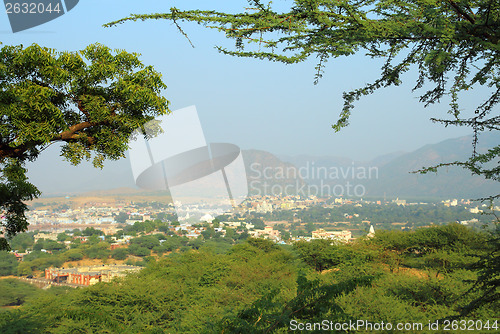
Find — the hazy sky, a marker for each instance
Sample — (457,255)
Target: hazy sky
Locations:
(251,103)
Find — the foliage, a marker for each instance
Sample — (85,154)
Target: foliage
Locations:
(188,294)
(319,254)
(14,190)
(90,231)
(489,278)
(138,250)
(327,254)
(63,237)
(258,286)
(97,251)
(40,263)
(415,215)
(91,101)
(440,39)
(121,217)
(451,237)
(73,255)
(14,292)
(119,253)
(22,241)
(49,245)
(8,264)
(147,226)
(147,241)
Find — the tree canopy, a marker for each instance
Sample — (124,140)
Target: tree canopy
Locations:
(452,44)
(91,101)
(259,287)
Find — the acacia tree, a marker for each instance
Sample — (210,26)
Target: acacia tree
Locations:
(91,101)
(453,44)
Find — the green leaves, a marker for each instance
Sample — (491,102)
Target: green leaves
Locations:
(94,98)
(91,100)
(14,190)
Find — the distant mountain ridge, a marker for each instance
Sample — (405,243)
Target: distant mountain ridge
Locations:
(395,179)
(390,173)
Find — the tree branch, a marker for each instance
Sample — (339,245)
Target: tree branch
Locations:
(71,133)
(461,12)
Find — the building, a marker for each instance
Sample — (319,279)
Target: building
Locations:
(88,275)
(398,201)
(343,236)
(46,236)
(475,210)
(371,233)
(268,233)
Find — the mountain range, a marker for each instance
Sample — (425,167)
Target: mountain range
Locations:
(388,175)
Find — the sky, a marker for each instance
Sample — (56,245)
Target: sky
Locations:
(254,104)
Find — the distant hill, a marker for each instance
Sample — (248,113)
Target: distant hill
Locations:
(395,179)
(55,177)
(267,174)
(271,174)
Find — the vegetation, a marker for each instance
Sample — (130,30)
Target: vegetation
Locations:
(14,292)
(91,101)
(68,248)
(8,264)
(258,286)
(377,214)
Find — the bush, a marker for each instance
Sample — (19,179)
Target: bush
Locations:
(98,251)
(139,250)
(14,292)
(73,255)
(8,264)
(119,253)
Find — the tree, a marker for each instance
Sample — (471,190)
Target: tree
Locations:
(8,264)
(231,234)
(121,217)
(489,278)
(441,39)
(147,241)
(14,292)
(91,101)
(22,241)
(119,253)
(90,231)
(74,255)
(64,237)
(319,254)
(310,227)
(52,245)
(98,250)
(138,250)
